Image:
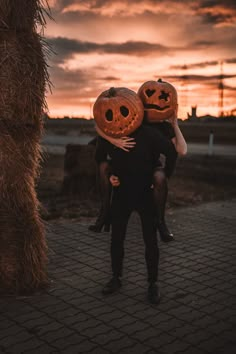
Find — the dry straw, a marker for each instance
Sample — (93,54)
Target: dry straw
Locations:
(23,80)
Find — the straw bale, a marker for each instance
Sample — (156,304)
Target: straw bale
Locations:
(23,15)
(23,256)
(23,77)
(23,80)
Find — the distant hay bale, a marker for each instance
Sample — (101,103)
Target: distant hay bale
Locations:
(79,171)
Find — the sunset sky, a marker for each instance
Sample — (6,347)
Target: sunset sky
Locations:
(100,43)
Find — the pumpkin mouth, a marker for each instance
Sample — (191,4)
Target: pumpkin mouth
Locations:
(156,107)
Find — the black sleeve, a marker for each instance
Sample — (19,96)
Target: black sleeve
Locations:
(167,148)
(169,130)
(101,150)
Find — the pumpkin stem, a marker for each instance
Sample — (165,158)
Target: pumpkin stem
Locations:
(159,80)
(112,92)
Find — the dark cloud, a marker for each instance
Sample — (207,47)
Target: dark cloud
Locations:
(69,80)
(110,78)
(73,82)
(217,12)
(203,44)
(217,3)
(203,64)
(102,3)
(230,61)
(65,48)
(61,4)
(230,88)
(217,18)
(198,78)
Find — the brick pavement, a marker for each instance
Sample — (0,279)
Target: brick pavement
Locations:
(197,313)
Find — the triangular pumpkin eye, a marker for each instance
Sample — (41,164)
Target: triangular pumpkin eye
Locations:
(149,92)
(109,115)
(124,111)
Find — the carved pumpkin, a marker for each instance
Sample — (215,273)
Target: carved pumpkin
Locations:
(118,112)
(159,99)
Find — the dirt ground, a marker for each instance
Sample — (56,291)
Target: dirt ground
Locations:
(182,192)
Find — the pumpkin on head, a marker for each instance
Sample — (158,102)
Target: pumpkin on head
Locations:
(118,112)
(159,99)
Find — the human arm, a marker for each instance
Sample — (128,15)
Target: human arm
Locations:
(102,150)
(125,143)
(178,141)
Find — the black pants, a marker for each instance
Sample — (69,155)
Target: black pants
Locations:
(121,211)
(160,192)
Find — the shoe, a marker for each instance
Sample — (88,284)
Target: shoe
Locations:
(165,234)
(100,227)
(112,286)
(153,293)
(102,223)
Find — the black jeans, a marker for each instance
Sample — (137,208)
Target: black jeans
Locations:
(121,211)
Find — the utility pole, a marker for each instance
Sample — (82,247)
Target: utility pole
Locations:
(221,92)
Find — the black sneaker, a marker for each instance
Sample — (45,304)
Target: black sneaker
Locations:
(153,293)
(112,286)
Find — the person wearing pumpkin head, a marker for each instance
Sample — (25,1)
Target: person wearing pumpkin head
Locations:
(160,102)
(119,112)
(160,112)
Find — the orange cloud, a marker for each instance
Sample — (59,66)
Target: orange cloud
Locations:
(103,43)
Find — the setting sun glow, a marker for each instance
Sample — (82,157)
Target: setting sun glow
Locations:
(99,44)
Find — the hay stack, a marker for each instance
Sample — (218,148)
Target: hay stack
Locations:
(23,76)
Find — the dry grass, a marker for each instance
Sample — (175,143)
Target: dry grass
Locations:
(23,80)
(23,15)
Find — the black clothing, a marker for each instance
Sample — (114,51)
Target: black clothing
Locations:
(167,131)
(138,164)
(135,172)
(164,127)
(120,217)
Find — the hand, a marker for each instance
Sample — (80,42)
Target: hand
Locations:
(114,181)
(125,143)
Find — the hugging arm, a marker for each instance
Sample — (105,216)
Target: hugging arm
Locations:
(178,141)
(125,143)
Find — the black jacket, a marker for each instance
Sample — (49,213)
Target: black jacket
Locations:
(135,168)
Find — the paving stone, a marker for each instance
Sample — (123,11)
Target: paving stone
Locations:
(25,346)
(19,337)
(120,345)
(177,346)
(73,340)
(196,314)
(43,349)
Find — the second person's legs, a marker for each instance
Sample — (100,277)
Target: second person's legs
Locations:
(160,193)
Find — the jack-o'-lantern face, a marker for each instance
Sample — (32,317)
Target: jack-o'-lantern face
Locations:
(159,99)
(118,112)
